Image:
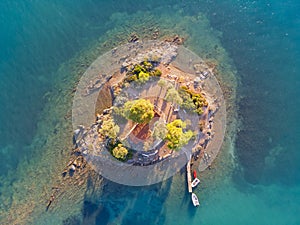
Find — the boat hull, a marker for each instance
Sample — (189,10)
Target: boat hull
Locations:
(195,200)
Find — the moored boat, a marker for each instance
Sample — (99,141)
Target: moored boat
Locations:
(195,200)
(195,174)
(195,182)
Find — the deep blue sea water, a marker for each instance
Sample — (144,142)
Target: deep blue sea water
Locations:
(263,40)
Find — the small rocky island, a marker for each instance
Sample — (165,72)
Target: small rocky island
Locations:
(140,117)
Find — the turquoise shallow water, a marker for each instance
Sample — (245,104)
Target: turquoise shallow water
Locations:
(262,38)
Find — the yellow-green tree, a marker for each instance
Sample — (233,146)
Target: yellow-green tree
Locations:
(109,129)
(120,152)
(139,111)
(175,135)
(143,77)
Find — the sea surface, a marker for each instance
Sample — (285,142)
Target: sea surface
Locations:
(257,181)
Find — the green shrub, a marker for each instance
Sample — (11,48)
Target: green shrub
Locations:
(156,73)
(109,129)
(143,77)
(142,72)
(120,152)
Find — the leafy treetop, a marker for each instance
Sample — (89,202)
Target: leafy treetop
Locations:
(192,101)
(159,130)
(139,111)
(176,136)
(120,152)
(173,96)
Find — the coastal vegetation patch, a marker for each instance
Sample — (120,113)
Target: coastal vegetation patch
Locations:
(142,72)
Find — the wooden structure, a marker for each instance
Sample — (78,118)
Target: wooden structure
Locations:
(189,177)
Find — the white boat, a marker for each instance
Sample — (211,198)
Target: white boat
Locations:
(195,182)
(195,200)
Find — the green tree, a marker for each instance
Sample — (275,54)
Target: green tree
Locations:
(175,135)
(139,111)
(159,130)
(162,83)
(187,101)
(173,96)
(192,101)
(120,152)
(109,129)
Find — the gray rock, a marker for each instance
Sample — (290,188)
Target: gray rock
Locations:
(85,152)
(72,168)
